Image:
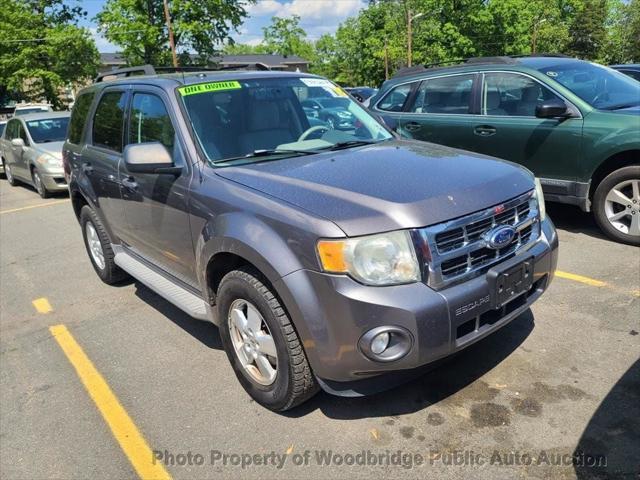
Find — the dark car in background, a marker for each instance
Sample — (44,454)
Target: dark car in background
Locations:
(574,124)
(361,93)
(334,111)
(630,69)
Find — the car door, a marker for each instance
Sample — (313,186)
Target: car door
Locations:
(440,110)
(11,132)
(509,128)
(158,226)
(101,156)
(19,163)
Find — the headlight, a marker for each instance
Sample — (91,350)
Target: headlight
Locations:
(384,259)
(49,161)
(343,114)
(540,196)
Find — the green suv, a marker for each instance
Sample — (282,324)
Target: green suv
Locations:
(574,124)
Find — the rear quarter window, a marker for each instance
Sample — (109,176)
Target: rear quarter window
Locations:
(79,117)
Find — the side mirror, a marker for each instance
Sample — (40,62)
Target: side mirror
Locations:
(17,142)
(552,109)
(150,157)
(390,122)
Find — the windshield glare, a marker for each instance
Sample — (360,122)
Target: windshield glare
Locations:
(601,87)
(233,119)
(48,130)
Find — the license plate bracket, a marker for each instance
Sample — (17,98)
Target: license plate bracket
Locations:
(510,280)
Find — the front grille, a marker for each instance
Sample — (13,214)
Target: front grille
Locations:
(458,249)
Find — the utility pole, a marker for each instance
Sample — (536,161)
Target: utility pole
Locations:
(410,20)
(534,35)
(386,58)
(171,43)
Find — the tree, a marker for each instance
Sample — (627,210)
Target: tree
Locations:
(284,36)
(42,49)
(138,27)
(623,33)
(587,32)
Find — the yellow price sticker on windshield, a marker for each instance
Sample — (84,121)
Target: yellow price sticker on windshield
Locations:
(208,87)
(340,92)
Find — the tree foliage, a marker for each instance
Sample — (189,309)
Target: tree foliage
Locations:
(42,49)
(138,27)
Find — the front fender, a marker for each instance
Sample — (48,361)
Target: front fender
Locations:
(250,238)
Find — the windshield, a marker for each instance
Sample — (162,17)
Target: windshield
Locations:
(601,87)
(272,118)
(48,129)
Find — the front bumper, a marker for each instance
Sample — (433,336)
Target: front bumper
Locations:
(332,312)
(54,181)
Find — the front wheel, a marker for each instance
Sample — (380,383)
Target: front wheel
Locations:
(263,347)
(39,184)
(9,174)
(616,205)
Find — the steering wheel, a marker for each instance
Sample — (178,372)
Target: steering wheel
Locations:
(311,130)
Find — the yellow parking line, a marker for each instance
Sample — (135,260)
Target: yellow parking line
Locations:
(579,278)
(124,430)
(48,204)
(42,305)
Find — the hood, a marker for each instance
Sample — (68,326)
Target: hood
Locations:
(52,148)
(393,185)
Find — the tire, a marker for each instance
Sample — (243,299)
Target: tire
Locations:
(39,185)
(107,270)
(294,382)
(7,173)
(618,216)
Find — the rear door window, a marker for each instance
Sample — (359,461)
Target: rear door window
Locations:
(108,121)
(79,117)
(451,95)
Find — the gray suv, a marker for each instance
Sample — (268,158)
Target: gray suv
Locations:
(328,259)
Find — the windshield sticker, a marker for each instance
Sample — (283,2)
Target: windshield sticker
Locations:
(317,82)
(208,87)
(552,74)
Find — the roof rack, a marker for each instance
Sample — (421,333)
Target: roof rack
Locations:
(151,70)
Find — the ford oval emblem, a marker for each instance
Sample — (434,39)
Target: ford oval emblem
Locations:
(500,236)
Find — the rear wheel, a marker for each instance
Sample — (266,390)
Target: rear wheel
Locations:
(38,183)
(261,343)
(98,245)
(616,205)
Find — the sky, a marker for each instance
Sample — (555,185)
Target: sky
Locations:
(317,17)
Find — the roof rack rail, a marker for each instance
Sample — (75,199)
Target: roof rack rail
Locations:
(126,72)
(151,70)
(502,60)
(551,55)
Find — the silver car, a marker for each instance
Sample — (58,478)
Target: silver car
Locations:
(31,151)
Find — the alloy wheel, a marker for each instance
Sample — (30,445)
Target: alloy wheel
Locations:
(622,207)
(7,172)
(252,342)
(95,246)
(38,183)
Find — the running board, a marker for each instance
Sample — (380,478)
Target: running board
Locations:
(180,297)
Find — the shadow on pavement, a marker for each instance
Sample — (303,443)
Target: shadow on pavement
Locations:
(448,378)
(205,332)
(610,445)
(572,219)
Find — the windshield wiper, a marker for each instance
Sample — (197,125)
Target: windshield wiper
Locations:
(264,153)
(621,106)
(348,144)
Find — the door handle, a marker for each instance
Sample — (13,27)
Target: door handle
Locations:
(129,183)
(412,126)
(485,130)
(87,168)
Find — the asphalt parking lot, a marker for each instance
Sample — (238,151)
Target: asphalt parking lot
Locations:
(547,396)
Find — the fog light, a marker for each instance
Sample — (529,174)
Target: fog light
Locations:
(380,343)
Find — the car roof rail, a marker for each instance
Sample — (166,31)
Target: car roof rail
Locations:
(151,70)
(126,72)
(500,60)
(550,55)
